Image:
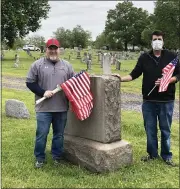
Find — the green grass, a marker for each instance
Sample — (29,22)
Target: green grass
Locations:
(17,157)
(18,144)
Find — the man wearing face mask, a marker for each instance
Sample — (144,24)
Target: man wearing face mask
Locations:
(42,79)
(156,105)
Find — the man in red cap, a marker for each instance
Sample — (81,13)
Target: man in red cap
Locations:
(44,76)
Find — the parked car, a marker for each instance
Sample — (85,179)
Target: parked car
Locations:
(31,48)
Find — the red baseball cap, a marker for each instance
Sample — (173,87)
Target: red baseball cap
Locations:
(51,42)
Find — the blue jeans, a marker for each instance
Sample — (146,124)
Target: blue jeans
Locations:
(163,112)
(44,120)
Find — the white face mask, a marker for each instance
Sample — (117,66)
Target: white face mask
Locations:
(157,45)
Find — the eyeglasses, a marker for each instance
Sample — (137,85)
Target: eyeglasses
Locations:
(157,39)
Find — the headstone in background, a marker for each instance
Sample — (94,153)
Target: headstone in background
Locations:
(78,55)
(16,63)
(76,49)
(107,64)
(17,109)
(85,58)
(89,64)
(2,54)
(80,48)
(90,56)
(101,59)
(115,59)
(61,50)
(111,59)
(118,65)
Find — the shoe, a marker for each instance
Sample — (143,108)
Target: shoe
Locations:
(39,164)
(170,162)
(148,158)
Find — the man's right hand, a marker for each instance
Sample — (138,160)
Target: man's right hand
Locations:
(48,94)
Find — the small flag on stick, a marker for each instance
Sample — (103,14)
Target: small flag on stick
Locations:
(167,74)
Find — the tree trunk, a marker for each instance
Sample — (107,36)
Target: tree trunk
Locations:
(125,45)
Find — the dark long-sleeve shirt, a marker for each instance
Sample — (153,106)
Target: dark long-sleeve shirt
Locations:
(35,88)
(151,68)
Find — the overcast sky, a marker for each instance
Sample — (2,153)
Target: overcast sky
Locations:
(91,15)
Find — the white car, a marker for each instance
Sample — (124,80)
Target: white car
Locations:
(31,48)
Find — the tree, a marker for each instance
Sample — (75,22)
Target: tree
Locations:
(146,33)
(64,36)
(100,41)
(19,43)
(80,36)
(36,40)
(167,13)
(125,23)
(19,17)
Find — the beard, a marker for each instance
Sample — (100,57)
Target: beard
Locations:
(54,58)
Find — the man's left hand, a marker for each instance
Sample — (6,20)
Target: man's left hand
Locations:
(116,75)
(157,82)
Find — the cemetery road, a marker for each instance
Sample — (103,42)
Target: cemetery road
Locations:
(129,101)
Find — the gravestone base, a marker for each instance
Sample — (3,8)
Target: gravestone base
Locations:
(96,156)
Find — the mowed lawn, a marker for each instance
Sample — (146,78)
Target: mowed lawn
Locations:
(18,143)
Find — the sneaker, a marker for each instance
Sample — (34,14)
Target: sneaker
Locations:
(170,162)
(148,158)
(39,164)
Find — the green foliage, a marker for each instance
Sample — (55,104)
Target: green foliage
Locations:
(68,39)
(167,13)
(80,36)
(64,36)
(125,24)
(20,17)
(36,40)
(100,41)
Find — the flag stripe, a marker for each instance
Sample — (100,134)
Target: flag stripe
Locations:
(167,73)
(77,90)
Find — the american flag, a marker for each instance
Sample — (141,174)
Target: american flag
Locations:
(167,74)
(77,90)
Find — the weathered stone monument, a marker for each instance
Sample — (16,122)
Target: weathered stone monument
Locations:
(96,143)
(17,109)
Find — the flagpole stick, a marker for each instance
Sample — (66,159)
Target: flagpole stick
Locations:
(152,90)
